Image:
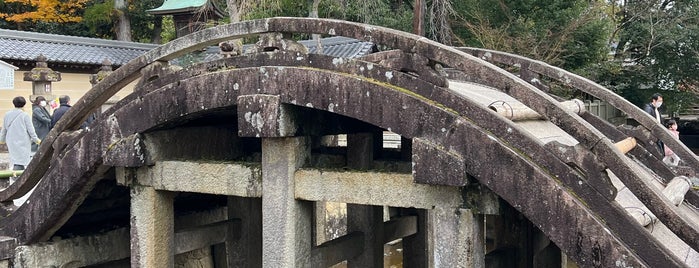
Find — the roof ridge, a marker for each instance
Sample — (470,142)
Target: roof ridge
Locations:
(68,39)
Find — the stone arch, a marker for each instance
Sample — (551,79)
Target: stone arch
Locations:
(434,117)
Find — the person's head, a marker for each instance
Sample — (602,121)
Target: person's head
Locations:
(41,101)
(671,124)
(64,99)
(657,100)
(19,102)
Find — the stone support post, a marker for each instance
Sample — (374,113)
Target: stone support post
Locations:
(152,228)
(286,222)
(457,238)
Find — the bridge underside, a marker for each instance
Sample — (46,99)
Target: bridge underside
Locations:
(236,160)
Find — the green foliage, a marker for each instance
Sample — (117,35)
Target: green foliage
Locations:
(142,23)
(569,34)
(657,51)
(98,18)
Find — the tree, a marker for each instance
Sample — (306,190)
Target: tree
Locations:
(438,27)
(571,34)
(123,24)
(656,50)
(44,11)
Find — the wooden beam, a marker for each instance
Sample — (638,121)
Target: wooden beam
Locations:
(399,228)
(337,250)
(206,235)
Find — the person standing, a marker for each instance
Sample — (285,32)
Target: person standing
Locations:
(652,108)
(58,113)
(41,119)
(670,157)
(18,132)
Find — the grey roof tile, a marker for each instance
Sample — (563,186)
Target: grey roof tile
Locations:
(18,45)
(26,46)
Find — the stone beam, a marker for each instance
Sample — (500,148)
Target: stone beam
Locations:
(146,149)
(79,251)
(200,177)
(113,246)
(373,188)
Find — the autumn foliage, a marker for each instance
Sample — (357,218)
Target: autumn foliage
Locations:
(45,10)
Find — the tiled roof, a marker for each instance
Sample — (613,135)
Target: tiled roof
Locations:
(336,46)
(26,46)
(339,46)
(19,45)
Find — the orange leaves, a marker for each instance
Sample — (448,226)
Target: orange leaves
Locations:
(46,10)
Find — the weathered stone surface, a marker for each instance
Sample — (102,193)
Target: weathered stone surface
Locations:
(127,152)
(433,164)
(361,109)
(286,222)
(80,251)
(587,163)
(410,63)
(202,177)
(152,228)
(276,41)
(466,231)
(7,246)
(481,200)
(265,116)
(394,108)
(379,189)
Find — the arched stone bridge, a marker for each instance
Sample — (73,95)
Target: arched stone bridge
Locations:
(234,158)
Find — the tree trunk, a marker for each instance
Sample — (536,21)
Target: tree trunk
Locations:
(156,37)
(123,26)
(419,17)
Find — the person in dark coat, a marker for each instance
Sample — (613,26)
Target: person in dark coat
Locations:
(58,113)
(652,108)
(41,119)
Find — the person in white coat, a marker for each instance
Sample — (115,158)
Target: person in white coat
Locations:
(18,132)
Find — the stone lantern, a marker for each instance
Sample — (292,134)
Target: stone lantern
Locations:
(41,77)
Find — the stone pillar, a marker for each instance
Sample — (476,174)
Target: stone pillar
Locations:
(366,219)
(286,222)
(457,238)
(152,228)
